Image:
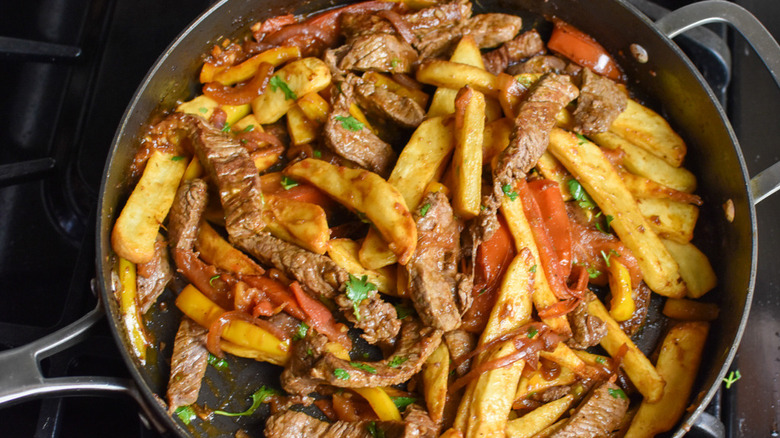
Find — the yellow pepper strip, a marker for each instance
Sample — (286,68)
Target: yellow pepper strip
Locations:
(194,170)
(382,404)
(241,72)
(204,311)
(357,113)
(622,306)
(129,308)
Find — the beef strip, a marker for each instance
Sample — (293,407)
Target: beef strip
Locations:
(490,30)
(154,275)
(185,214)
(295,378)
(292,424)
(383,103)
(601,101)
(433,269)
(641,295)
(524,46)
(437,28)
(587,330)
(598,415)
(378,318)
(539,64)
(361,146)
(188,364)
(460,343)
(379,52)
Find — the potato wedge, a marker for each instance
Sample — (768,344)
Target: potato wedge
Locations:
(244,71)
(695,267)
(597,175)
(454,75)
(467,158)
(690,310)
(435,373)
(420,163)
(365,193)
(678,364)
(345,253)
(496,138)
(382,81)
(301,128)
(466,52)
(217,251)
(636,365)
(301,223)
(537,420)
(135,231)
(307,75)
(645,188)
(315,107)
(204,106)
(647,129)
(565,357)
(670,219)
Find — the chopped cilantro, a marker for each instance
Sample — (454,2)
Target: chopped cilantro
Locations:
(732,378)
(579,194)
(177,158)
(582,139)
(532,332)
(375,431)
(309,352)
(349,123)
(403,311)
(616,393)
(394,63)
(424,209)
(402,402)
(301,331)
(185,413)
(220,364)
(593,272)
(211,280)
(532,269)
(511,194)
(397,361)
(203,110)
(601,360)
(317,154)
(249,128)
(363,218)
(289,183)
(365,367)
(226,128)
(357,291)
(606,257)
(277,83)
(258,398)
(341,374)
(607,229)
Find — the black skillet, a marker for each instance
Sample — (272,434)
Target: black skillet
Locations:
(668,80)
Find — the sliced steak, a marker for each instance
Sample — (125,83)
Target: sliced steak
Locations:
(460,343)
(357,144)
(641,295)
(378,319)
(382,103)
(526,45)
(587,330)
(433,270)
(154,275)
(601,101)
(188,364)
(295,378)
(379,52)
(185,214)
(539,64)
(598,415)
(437,28)
(292,424)
(490,30)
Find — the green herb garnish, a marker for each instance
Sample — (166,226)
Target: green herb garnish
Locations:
(357,291)
(532,269)
(402,402)
(732,378)
(341,374)
(616,393)
(403,311)
(258,398)
(317,154)
(177,158)
(277,83)
(579,194)
(185,413)
(601,360)
(397,361)
(220,364)
(226,128)
(593,272)
(203,110)
(582,139)
(375,431)
(349,123)
(211,280)
(532,332)
(288,183)
(511,194)
(249,128)
(424,209)
(301,331)
(365,367)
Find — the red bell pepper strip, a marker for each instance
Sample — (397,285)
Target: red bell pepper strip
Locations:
(583,50)
(547,195)
(320,318)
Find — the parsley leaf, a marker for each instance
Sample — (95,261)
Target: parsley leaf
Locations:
(732,378)
(579,194)
(341,374)
(301,331)
(532,332)
(601,360)
(582,139)
(402,402)
(211,280)
(616,393)
(185,413)
(249,128)
(177,158)
(349,123)
(593,272)
(277,83)
(424,209)
(288,183)
(403,311)
(396,361)
(317,154)
(375,431)
(607,229)
(511,194)
(203,110)
(220,364)
(226,128)
(357,291)
(532,269)
(258,398)
(365,367)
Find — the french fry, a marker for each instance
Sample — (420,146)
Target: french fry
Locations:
(670,219)
(135,231)
(128,307)
(241,72)
(565,357)
(636,365)
(690,310)
(215,250)
(385,82)
(435,373)
(345,253)
(307,75)
(552,169)
(597,175)
(204,106)
(315,107)
(301,128)
(695,267)
(467,158)
(536,382)
(622,306)
(678,363)
(645,188)
(496,138)
(365,193)
(537,420)
(642,163)
(419,164)
(301,223)
(454,75)
(466,52)
(645,128)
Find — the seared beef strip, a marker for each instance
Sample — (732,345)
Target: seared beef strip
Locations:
(641,295)
(490,30)
(403,111)
(460,343)
(437,28)
(295,378)
(188,364)
(433,270)
(359,145)
(587,330)
(598,415)
(526,45)
(539,64)
(601,101)
(185,214)
(379,52)
(378,319)
(292,424)
(154,275)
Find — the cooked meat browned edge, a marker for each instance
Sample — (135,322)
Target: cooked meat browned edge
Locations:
(601,101)
(539,64)
(383,103)
(587,330)
(524,46)
(154,275)
(460,343)
(187,209)
(641,295)
(380,52)
(188,364)
(597,415)
(490,30)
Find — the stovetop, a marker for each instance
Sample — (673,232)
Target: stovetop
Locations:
(47,258)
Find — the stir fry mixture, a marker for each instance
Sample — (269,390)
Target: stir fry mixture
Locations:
(438,223)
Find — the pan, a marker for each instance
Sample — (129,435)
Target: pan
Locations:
(667,79)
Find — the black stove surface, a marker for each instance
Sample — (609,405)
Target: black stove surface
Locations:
(47,216)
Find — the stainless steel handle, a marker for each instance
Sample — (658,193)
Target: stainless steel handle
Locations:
(717,11)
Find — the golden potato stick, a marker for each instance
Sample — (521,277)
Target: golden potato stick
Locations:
(135,231)
(690,310)
(435,373)
(455,75)
(537,420)
(695,267)
(645,188)
(301,223)
(301,128)
(215,250)
(542,295)
(645,128)
(204,106)
(315,107)
(128,307)
(451,433)
(597,175)
(366,194)
(466,52)
(565,357)
(345,253)
(420,163)
(537,382)
(467,158)
(307,75)
(204,311)
(550,430)
(642,163)
(636,365)
(552,169)
(496,138)
(241,72)
(670,219)
(678,364)
(420,97)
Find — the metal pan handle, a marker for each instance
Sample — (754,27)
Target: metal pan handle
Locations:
(717,11)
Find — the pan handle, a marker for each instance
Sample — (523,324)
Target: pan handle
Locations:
(716,11)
